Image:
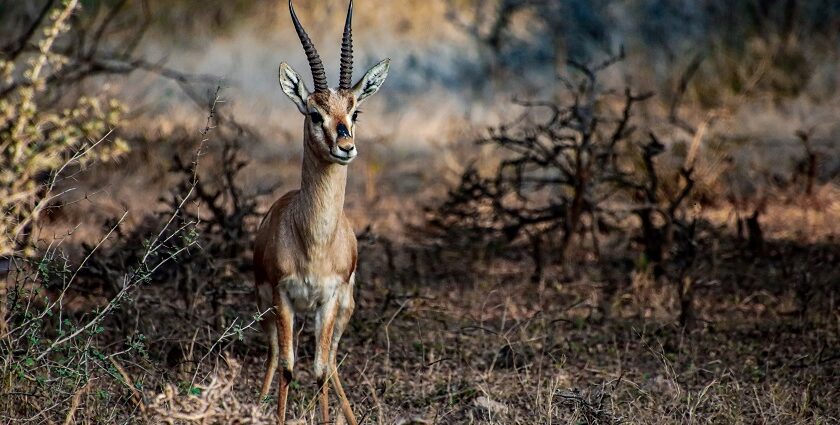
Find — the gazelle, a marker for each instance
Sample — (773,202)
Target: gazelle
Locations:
(305,249)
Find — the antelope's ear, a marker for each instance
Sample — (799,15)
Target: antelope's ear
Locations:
(372,81)
(294,87)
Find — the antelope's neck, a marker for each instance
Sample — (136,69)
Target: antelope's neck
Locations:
(321,200)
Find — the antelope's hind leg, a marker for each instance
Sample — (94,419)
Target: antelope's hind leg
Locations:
(344,312)
(270,328)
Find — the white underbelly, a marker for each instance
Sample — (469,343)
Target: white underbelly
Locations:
(308,293)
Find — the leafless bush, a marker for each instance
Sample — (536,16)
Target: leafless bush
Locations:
(572,174)
(565,164)
(653,206)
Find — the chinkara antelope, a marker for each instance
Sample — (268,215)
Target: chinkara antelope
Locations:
(305,249)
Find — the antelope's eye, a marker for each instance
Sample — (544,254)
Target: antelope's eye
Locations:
(316,118)
(356,115)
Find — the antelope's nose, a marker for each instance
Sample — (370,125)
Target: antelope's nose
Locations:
(346,146)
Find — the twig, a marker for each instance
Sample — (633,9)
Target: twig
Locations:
(74,404)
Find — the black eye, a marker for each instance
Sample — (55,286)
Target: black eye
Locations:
(356,115)
(316,118)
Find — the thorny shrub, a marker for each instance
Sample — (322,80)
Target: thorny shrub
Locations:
(573,174)
(39,145)
(570,170)
(69,350)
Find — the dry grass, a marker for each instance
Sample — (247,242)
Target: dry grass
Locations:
(493,354)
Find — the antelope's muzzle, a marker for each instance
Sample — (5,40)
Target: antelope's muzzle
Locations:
(344,150)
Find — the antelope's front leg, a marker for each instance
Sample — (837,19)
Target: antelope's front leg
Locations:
(285,326)
(325,319)
(265,302)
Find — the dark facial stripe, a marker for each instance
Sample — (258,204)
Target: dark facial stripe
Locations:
(342,130)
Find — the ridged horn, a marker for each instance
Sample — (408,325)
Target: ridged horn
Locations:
(319,76)
(346,72)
